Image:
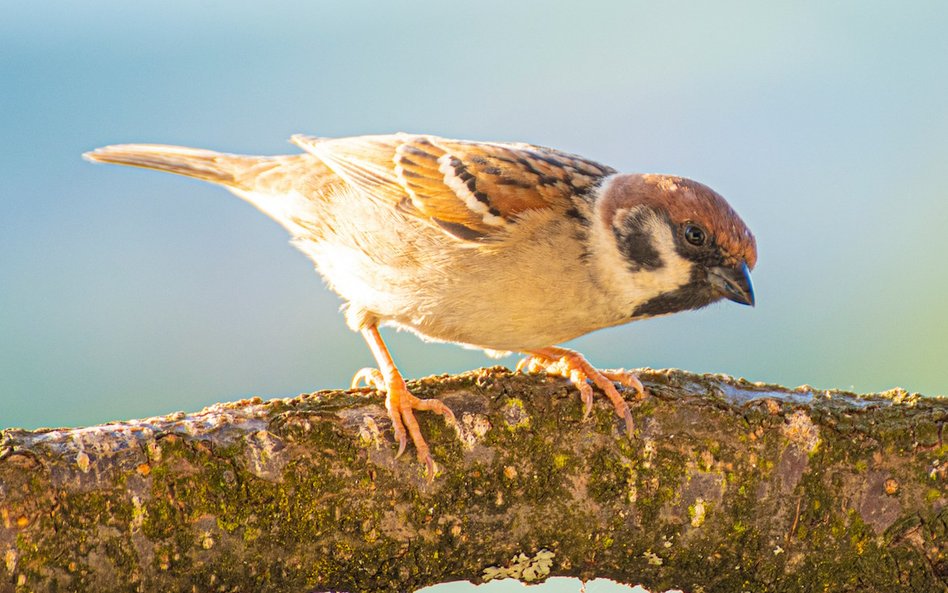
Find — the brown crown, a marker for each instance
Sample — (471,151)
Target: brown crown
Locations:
(685,200)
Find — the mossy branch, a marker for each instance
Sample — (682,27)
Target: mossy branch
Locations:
(727,486)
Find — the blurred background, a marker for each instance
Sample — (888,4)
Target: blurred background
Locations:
(126,293)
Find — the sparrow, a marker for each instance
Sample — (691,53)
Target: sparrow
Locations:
(504,247)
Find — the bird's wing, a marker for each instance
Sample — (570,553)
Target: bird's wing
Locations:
(472,190)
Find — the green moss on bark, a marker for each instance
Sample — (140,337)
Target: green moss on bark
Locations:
(726,486)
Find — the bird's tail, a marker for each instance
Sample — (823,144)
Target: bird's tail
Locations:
(231,170)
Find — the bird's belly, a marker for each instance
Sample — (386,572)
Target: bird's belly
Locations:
(504,331)
(505,310)
(530,294)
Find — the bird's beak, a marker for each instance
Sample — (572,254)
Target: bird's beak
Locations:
(733,283)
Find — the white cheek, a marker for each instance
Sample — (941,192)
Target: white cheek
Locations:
(675,271)
(630,289)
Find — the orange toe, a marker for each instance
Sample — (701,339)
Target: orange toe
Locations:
(401,404)
(573,366)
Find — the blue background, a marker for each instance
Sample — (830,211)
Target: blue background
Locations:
(126,293)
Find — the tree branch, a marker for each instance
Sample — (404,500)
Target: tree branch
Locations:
(727,486)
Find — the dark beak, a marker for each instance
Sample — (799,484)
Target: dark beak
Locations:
(733,283)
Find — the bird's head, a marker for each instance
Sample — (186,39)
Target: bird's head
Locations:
(680,245)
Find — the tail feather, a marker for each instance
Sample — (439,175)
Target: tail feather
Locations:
(230,170)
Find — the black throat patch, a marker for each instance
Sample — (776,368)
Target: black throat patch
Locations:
(693,295)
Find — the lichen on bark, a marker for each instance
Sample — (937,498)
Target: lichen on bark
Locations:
(726,486)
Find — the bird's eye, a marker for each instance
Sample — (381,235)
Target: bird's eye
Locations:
(695,235)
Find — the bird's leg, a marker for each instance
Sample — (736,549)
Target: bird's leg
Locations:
(571,365)
(398,400)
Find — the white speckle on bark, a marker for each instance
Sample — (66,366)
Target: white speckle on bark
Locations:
(800,430)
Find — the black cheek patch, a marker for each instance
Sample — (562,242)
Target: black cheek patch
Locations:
(635,242)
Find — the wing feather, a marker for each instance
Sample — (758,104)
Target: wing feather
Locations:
(472,190)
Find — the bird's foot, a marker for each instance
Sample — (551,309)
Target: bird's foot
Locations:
(401,404)
(369,377)
(571,365)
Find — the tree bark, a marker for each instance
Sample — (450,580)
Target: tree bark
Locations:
(726,486)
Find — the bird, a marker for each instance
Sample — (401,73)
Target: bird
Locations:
(500,246)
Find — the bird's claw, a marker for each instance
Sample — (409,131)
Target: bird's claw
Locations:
(401,405)
(407,404)
(578,379)
(572,366)
(402,439)
(529,364)
(369,377)
(626,379)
